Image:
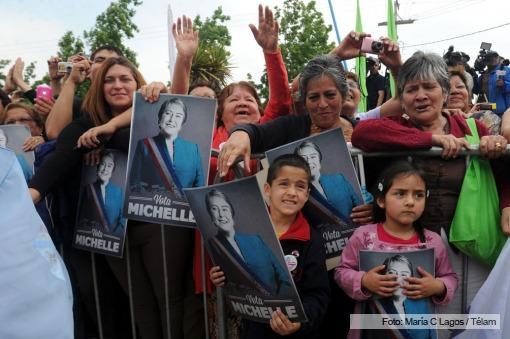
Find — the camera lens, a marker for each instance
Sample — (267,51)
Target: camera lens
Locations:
(377,46)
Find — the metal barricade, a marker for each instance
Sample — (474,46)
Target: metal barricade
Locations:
(358,157)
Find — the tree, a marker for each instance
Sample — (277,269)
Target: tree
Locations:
(3,63)
(211,63)
(70,45)
(29,73)
(113,26)
(303,35)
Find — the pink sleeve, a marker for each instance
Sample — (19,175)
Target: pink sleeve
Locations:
(388,134)
(347,275)
(279,92)
(444,272)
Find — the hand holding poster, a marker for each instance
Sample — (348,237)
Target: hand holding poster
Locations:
(13,137)
(257,279)
(100,226)
(335,189)
(403,265)
(169,150)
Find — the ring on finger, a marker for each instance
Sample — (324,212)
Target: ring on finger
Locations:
(498,146)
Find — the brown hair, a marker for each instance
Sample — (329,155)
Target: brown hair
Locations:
(228,90)
(95,104)
(37,119)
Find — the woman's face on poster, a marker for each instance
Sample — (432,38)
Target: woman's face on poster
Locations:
(105,169)
(172,119)
(402,271)
(221,214)
(313,159)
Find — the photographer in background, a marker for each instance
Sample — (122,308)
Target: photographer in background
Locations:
(458,61)
(376,84)
(493,85)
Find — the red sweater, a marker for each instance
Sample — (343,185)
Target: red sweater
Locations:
(278,105)
(399,133)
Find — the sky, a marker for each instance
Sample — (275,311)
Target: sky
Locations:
(31,28)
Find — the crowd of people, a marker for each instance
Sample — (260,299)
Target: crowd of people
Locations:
(415,199)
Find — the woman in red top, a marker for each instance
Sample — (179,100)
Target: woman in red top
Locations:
(423,85)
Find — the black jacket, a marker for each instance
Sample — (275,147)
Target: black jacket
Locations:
(311,279)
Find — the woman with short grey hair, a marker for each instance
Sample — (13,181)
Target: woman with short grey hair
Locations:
(423,86)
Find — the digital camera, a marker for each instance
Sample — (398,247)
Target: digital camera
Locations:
(65,67)
(372,46)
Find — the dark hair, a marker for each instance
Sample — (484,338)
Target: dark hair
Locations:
(322,65)
(397,258)
(218,194)
(4,98)
(173,101)
(384,183)
(107,48)
(308,144)
(291,160)
(204,83)
(228,90)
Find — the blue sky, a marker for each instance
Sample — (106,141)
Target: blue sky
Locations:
(31,28)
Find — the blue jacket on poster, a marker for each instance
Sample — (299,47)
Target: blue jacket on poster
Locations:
(412,306)
(27,170)
(339,193)
(112,206)
(260,261)
(145,177)
(498,95)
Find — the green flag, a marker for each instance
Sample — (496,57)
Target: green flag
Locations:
(361,66)
(392,34)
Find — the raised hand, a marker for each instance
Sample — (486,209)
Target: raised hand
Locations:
(186,39)
(53,68)
(350,46)
(266,34)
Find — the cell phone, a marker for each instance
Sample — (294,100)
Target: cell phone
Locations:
(44,91)
(372,46)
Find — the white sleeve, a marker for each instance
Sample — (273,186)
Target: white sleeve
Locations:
(372,114)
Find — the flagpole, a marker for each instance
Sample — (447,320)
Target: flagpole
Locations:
(336,30)
(171,43)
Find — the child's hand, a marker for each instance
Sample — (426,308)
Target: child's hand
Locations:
(281,324)
(382,284)
(217,276)
(426,286)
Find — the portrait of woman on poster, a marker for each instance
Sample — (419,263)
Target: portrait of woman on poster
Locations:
(167,162)
(402,267)
(253,258)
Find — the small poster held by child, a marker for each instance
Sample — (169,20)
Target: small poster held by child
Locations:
(169,150)
(100,226)
(403,265)
(238,233)
(335,189)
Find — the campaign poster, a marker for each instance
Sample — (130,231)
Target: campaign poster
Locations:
(237,231)
(335,189)
(402,264)
(100,225)
(169,150)
(13,137)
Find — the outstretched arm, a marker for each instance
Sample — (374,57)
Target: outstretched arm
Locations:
(186,42)
(266,35)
